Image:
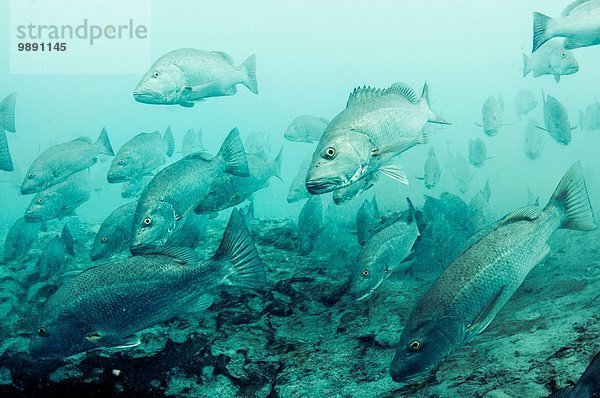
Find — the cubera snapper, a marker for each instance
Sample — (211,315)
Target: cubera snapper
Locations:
(375,122)
(550,59)
(466,297)
(185,76)
(21,236)
(147,289)
(556,120)
(59,200)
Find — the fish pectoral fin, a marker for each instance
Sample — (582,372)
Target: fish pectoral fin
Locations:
(557,78)
(527,213)
(478,125)
(395,173)
(111,341)
(186,104)
(540,127)
(201,303)
(487,314)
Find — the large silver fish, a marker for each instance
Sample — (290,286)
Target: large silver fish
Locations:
(579,25)
(146,289)
(188,75)
(383,254)
(550,59)
(140,156)
(59,200)
(173,193)
(21,236)
(306,128)
(375,122)
(57,163)
(525,102)
(473,288)
(310,224)
(556,120)
(7,123)
(114,234)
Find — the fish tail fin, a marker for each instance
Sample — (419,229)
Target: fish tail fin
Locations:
(572,200)
(234,154)
(68,240)
(249,68)
(103,143)
(276,165)
(540,30)
(526,68)
(6,163)
(7,112)
(170,141)
(237,250)
(591,377)
(433,118)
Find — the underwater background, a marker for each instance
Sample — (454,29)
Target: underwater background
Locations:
(305,336)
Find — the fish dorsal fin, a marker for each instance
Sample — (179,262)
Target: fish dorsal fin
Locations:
(574,5)
(365,92)
(225,56)
(528,213)
(487,314)
(183,255)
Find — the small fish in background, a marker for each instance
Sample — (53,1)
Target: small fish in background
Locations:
(479,209)
(188,75)
(525,102)
(383,254)
(132,189)
(297,190)
(550,59)
(57,163)
(377,124)
(59,200)
(492,115)
(192,142)
(432,170)
(590,119)
(477,152)
(556,120)
(140,156)
(228,190)
(80,315)
(306,128)
(310,224)
(468,294)
(579,24)
(170,197)
(259,144)
(114,234)
(21,236)
(588,385)
(51,263)
(535,140)
(7,123)
(368,219)
(458,166)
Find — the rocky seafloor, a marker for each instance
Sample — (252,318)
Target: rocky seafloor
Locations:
(305,336)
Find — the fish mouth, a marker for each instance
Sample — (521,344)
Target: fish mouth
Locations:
(32,218)
(114,179)
(147,97)
(316,187)
(28,190)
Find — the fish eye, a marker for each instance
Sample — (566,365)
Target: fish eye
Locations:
(365,272)
(104,239)
(147,221)
(563,54)
(41,331)
(121,161)
(156,74)
(329,153)
(40,200)
(415,345)
(30,176)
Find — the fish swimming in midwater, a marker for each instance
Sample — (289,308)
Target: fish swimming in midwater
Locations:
(52,260)
(21,236)
(229,190)
(383,254)
(479,212)
(477,152)
(297,190)
(376,122)
(80,316)
(556,120)
(432,171)
(588,385)
(492,115)
(192,142)
(114,234)
(306,128)
(7,123)
(57,163)
(579,24)
(534,140)
(590,119)
(259,144)
(550,59)
(140,156)
(368,219)
(468,294)
(310,224)
(525,102)
(59,200)
(173,193)
(185,76)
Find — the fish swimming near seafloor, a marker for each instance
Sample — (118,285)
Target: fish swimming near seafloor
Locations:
(147,289)
(57,163)
(588,385)
(310,224)
(7,123)
(550,59)
(579,24)
(306,128)
(140,156)
(376,122)
(468,294)
(21,236)
(185,76)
